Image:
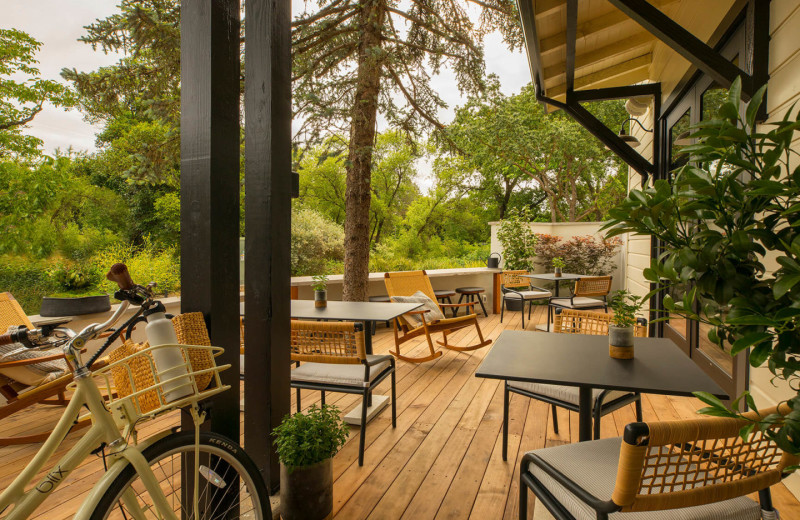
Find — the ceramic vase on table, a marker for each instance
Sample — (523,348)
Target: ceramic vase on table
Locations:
(620,342)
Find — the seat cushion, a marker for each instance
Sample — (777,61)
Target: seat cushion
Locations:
(528,295)
(578,303)
(339,374)
(564,393)
(415,320)
(592,465)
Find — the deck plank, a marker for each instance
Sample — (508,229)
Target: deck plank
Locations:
(443,460)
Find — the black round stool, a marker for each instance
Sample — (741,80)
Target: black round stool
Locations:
(472,294)
(384,298)
(444,295)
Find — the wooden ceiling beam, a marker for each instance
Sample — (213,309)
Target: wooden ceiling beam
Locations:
(633,71)
(558,42)
(542,8)
(641,42)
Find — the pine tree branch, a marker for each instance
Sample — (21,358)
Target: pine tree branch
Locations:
(411,101)
(331,9)
(421,48)
(489,6)
(325,35)
(422,24)
(24,120)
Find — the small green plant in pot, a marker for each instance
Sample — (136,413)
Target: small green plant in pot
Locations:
(558,265)
(620,330)
(320,286)
(306,444)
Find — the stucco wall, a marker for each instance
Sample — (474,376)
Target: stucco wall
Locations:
(568,230)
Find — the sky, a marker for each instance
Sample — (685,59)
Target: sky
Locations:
(59,23)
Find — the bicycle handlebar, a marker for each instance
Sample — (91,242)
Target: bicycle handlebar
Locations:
(119,274)
(6,339)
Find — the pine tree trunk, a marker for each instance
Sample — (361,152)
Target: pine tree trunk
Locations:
(359,160)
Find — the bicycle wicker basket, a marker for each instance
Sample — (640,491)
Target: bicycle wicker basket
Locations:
(132,376)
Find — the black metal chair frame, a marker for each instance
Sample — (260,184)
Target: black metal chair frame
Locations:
(550,305)
(599,409)
(365,389)
(635,433)
(507,291)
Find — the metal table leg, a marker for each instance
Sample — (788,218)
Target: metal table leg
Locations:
(584,413)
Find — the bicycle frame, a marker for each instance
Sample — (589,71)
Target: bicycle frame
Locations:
(102,430)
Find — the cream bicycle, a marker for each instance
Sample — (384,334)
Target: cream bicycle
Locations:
(170,475)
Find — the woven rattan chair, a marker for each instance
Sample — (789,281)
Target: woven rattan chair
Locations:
(22,384)
(697,468)
(590,292)
(605,401)
(406,283)
(515,287)
(334,359)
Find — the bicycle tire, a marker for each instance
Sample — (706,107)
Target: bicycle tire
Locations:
(214,448)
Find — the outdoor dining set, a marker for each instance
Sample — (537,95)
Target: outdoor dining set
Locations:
(695,469)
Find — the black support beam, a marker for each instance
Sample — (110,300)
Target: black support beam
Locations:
(210,186)
(268,188)
(627,91)
(686,44)
(572,32)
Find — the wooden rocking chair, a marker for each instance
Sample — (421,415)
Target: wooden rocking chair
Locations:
(21,385)
(407,283)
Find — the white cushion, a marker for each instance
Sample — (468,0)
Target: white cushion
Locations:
(577,303)
(592,465)
(415,320)
(568,394)
(528,295)
(339,374)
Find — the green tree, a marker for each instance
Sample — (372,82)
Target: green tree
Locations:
(23,93)
(354,59)
(510,140)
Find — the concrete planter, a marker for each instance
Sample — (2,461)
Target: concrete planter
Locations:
(307,491)
(620,342)
(54,307)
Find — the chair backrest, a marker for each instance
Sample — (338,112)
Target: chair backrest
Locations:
(592,286)
(327,342)
(515,279)
(674,464)
(11,313)
(406,283)
(585,322)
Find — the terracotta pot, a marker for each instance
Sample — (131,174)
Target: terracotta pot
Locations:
(320,299)
(307,491)
(620,342)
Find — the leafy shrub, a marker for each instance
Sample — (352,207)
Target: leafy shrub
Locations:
(306,439)
(316,241)
(73,277)
(518,240)
(582,254)
(146,264)
(27,280)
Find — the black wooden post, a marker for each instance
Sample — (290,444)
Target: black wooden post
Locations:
(210,185)
(268,188)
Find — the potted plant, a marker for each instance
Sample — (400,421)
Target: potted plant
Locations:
(558,265)
(729,229)
(306,444)
(620,330)
(519,243)
(320,286)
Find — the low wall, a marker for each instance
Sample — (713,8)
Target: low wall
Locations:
(568,230)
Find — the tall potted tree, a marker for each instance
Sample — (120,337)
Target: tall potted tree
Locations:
(519,246)
(736,201)
(306,444)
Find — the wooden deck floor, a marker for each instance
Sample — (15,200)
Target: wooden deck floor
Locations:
(441,461)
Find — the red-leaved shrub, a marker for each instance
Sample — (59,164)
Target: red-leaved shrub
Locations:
(581,254)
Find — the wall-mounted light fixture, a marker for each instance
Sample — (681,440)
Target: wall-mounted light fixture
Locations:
(637,106)
(631,140)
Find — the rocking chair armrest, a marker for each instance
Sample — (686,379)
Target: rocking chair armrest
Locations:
(32,361)
(417,312)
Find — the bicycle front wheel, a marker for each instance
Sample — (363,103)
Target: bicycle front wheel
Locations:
(229,484)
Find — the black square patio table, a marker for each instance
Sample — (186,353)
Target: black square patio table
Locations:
(658,367)
(551,277)
(366,312)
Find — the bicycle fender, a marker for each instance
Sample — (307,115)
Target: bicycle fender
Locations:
(100,488)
